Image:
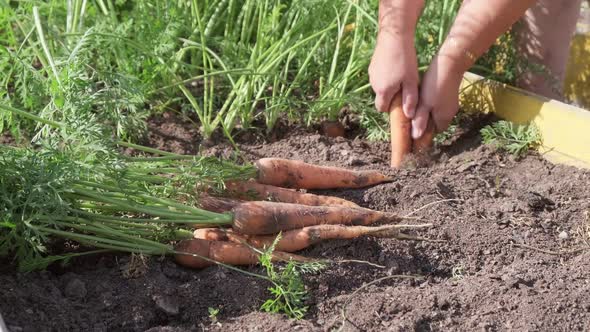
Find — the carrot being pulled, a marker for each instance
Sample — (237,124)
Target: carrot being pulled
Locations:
(423,145)
(298,239)
(400,128)
(243,190)
(190,253)
(300,175)
(262,218)
(402,145)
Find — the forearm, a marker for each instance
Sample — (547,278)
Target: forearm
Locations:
(477,26)
(398,18)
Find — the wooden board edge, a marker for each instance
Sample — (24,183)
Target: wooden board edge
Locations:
(565,129)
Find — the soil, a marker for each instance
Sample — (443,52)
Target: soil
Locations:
(513,256)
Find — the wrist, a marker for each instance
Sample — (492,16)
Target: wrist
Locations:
(456,54)
(449,68)
(395,38)
(399,17)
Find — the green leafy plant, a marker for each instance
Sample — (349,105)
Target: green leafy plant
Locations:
(288,290)
(213,312)
(515,139)
(376,124)
(458,272)
(445,135)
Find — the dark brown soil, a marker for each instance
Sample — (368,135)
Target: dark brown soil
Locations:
(491,210)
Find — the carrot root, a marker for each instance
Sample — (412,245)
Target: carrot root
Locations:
(191,253)
(243,190)
(298,239)
(300,175)
(333,128)
(423,145)
(425,142)
(400,128)
(263,218)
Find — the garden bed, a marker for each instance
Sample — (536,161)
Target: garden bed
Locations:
(492,211)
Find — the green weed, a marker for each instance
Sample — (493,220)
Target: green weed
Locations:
(447,134)
(515,139)
(458,272)
(213,312)
(288,290)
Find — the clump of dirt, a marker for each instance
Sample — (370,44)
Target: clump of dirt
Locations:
(515,254)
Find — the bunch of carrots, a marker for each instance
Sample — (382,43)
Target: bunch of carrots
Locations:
(271,204)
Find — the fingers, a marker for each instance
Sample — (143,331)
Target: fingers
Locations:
(410,98)
(383,99)
(420,120)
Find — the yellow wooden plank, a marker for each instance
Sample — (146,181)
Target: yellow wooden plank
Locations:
(565,128)
(577,78)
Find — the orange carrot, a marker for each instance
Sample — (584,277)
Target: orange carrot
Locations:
(222,252)
(212,234)
(297,174)
(423,145)
(242,190)
(333,128)
(298,239)
(400,128)
(262,218)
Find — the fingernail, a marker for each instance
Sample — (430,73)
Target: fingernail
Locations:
(409,111)
(416,133)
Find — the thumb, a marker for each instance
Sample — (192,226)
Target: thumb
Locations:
(420,121)
(410,98)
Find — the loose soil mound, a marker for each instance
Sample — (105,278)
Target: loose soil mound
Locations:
(514,257)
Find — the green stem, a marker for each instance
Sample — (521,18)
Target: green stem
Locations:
(97,241)
(114,234)
(217,218)
(32,116)
(165,202)
(41,36)
(130,222)
(163,158)
(146,149)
